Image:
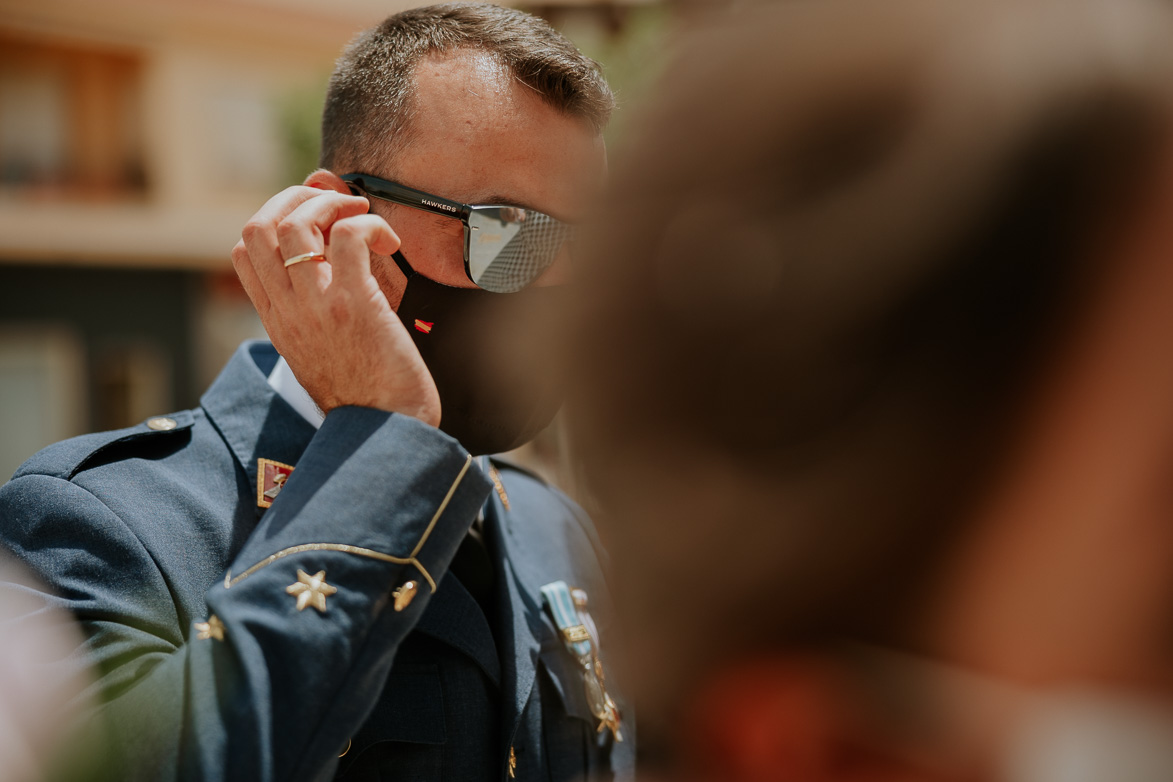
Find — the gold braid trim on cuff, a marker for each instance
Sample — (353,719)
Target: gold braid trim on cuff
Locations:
(345,548)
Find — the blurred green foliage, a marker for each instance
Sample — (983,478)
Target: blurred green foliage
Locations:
(629,42)
(300,116)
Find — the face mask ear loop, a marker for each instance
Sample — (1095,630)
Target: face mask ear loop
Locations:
(403,265)
(400,261)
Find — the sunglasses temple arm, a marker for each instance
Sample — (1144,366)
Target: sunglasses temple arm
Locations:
(406,196)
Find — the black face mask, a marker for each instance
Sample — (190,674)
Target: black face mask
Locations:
(482,354)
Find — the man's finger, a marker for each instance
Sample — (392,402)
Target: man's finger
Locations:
(249,280)
(261,243)
(351,242)
(304,229)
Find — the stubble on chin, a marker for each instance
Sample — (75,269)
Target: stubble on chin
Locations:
(390,279)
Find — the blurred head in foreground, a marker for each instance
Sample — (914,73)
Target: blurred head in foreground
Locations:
(875,374)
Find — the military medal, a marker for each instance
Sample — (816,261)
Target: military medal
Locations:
(271,477)
(581,638)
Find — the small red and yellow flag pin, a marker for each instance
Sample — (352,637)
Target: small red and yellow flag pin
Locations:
(424,326)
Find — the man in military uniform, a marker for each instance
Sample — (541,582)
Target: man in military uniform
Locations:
(313,575)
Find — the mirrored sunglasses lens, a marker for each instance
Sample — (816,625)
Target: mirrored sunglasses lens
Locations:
(510,247)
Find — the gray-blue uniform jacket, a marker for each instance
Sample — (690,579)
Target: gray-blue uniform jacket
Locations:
(202,610)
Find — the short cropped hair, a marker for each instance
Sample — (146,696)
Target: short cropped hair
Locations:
(369,102)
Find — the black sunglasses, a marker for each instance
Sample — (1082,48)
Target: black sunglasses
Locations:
(505,247)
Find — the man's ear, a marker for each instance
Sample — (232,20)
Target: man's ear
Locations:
(327,180)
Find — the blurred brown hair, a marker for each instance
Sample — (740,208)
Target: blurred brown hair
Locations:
(835,261)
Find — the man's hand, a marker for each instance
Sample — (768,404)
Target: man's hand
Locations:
(331,320)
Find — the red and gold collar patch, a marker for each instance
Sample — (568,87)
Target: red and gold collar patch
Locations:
(271,477)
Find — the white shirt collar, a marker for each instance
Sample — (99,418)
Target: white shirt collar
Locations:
(287,387)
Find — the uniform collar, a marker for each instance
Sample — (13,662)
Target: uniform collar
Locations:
(254,420)
(285,384)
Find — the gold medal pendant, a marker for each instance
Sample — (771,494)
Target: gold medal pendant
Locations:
(607,711)
(601,704)
(612,719)
(596,696)
(580,636)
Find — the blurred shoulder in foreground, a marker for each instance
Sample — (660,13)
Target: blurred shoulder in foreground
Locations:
(43,695)
(873,372)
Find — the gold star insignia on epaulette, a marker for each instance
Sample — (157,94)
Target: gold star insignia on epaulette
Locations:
(311,590)
(213,628)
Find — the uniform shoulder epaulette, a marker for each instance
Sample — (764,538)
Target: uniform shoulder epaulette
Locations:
(69,457)
(509,464)
(575,514)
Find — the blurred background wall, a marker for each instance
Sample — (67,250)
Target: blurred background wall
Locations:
(136,138)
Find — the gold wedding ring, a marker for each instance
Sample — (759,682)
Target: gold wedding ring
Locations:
(304,257)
